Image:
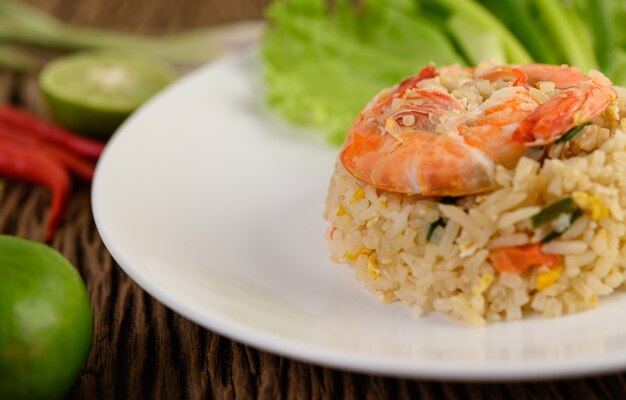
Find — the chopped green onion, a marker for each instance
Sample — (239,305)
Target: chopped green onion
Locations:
(552,211)
(577,214)
(433,226)
(572,132)
(553,235)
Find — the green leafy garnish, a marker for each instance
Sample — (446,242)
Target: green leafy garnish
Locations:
(433,227)
(602,29)
(563,28)
(520,20)
(572,133)
(472,17)
(324,64)
(552,211)
(324,60)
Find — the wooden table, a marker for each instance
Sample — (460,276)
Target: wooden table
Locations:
(143,350)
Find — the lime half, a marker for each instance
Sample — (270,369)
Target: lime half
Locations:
(92,93)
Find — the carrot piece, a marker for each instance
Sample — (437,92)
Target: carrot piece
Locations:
(516,260)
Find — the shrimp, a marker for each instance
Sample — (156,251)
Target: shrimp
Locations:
(504,72)
(382,145)
(494,130)
(414,139)
(581,99)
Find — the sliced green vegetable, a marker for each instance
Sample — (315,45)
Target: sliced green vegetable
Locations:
(553,235)
(24,24)
(518,18)
(617,73)
(577,214)
(583,36)
(565,32)
(433,227)
(617,11)
(572,133)
(601,26)
(477,43)
(481,17)
(552,211)
(325,59)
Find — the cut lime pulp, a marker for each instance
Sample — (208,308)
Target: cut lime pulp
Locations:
(92,93)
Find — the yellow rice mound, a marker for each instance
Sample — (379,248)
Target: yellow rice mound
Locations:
(383,236)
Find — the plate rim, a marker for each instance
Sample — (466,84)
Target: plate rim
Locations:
(321,355)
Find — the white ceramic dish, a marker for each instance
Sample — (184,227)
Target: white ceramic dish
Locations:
(214,208)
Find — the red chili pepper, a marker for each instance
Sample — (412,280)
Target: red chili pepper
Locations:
(74,163)
(29,124)
(37,167)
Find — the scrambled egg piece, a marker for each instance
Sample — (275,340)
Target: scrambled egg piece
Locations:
(591,203)
(354,256)
(467,249)
(341,210)
(578,118)
(611,114)
(548,278)
(358,195)
(372,267)
(372,262)
(485,281)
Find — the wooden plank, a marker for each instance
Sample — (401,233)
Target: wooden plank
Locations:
(141,349)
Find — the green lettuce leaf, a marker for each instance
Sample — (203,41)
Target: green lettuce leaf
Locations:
(323,65)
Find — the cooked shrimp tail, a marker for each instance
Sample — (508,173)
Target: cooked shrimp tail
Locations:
(580,100)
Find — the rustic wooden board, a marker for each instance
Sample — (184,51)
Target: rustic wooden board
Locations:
(143,350)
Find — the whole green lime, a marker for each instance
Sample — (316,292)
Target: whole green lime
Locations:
(46,322)
(92,93)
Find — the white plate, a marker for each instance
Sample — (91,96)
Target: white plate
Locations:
(214,207)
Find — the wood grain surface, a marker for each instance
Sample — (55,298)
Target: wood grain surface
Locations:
(141,350)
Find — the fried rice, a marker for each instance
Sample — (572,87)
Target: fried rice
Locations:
(433,253)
